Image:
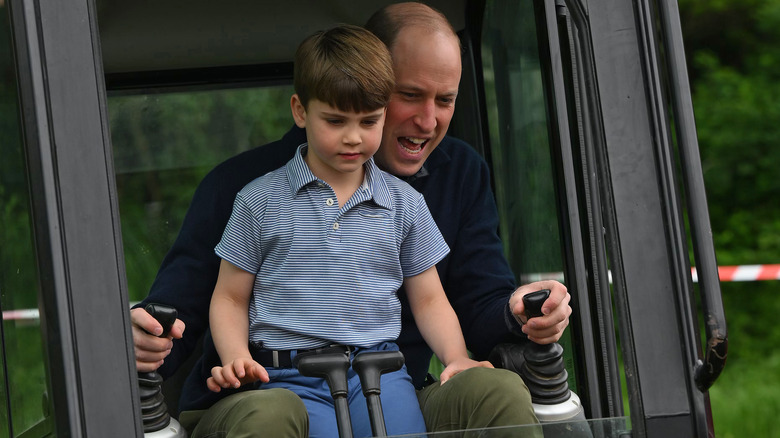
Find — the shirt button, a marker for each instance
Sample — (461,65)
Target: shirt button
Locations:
(320,184)
(335,225)
(329,202)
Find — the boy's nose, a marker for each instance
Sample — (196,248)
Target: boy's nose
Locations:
(352,137)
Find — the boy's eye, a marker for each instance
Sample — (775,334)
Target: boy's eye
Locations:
(370,122)
(335,121)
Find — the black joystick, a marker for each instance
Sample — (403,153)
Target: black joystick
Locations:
(370,366)
(154,412)
(333,367)
(543,371)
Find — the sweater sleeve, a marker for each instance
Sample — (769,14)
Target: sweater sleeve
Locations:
(478,280)
(188,273)
(189,270)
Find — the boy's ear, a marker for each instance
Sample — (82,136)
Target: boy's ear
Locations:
(298,111)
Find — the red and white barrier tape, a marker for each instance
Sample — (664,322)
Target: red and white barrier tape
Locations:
(726,273)
(745,273)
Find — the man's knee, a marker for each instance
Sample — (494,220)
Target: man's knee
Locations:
(477,398)
(269,412)
(277,406)
(496,384)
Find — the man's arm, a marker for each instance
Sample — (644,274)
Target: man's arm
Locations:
(186,277)
(476,275)
(188,274)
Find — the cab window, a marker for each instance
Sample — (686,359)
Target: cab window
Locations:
(164,143)
(24,401)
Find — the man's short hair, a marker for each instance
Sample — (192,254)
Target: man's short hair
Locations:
(389,21)
(346,67)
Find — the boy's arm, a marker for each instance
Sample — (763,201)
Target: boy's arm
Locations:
(229,322)
(438,322)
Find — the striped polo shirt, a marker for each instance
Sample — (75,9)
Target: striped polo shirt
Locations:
(326,274)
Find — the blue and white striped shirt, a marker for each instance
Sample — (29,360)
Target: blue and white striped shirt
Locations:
(326,274)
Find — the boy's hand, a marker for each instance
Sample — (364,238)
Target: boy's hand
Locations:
(236,373)
(459,365)
(548,328)
(150,350)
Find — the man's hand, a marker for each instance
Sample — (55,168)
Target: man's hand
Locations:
(150,351)
(548,328)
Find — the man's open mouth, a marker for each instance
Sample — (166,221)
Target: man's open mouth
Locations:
(412,145)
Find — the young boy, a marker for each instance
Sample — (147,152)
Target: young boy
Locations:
(315,252)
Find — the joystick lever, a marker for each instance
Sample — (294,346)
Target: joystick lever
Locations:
(333,367)
(543,371)
(370,366)
(154,412)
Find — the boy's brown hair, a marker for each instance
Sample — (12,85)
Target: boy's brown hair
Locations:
(346,67)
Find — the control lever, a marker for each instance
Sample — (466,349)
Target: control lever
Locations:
(154,412)
(544,372)
(370,366)
(333,367)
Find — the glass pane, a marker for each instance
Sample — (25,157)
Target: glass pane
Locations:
(519,138)
(521,149)
(164,144)
(23,377)
(602,428)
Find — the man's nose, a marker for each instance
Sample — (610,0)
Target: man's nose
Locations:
(426,116)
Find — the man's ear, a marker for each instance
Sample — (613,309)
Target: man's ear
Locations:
(298,111)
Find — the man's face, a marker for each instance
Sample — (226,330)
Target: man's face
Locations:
(427,72)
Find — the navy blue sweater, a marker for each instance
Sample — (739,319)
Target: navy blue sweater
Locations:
(475,275)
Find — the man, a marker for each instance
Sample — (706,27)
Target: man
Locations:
(455,183)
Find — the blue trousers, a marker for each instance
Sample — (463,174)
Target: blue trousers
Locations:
(399,400)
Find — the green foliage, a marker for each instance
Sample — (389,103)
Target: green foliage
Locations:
(737,125)
(733,48)
(164,144)
(22,364)
(744,399)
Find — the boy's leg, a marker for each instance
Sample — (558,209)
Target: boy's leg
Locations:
(399,405)
(315,394)
(267,412)
(478,398)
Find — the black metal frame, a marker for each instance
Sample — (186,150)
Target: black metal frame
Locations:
(84,310)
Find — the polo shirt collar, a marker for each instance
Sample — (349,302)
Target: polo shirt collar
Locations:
(299,175)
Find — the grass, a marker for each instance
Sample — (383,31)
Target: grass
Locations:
(746,397)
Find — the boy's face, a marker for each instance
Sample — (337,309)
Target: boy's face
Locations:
(340,142)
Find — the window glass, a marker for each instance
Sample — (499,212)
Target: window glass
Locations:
(520,142)
(23,377)
(521,149)
(164,144)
